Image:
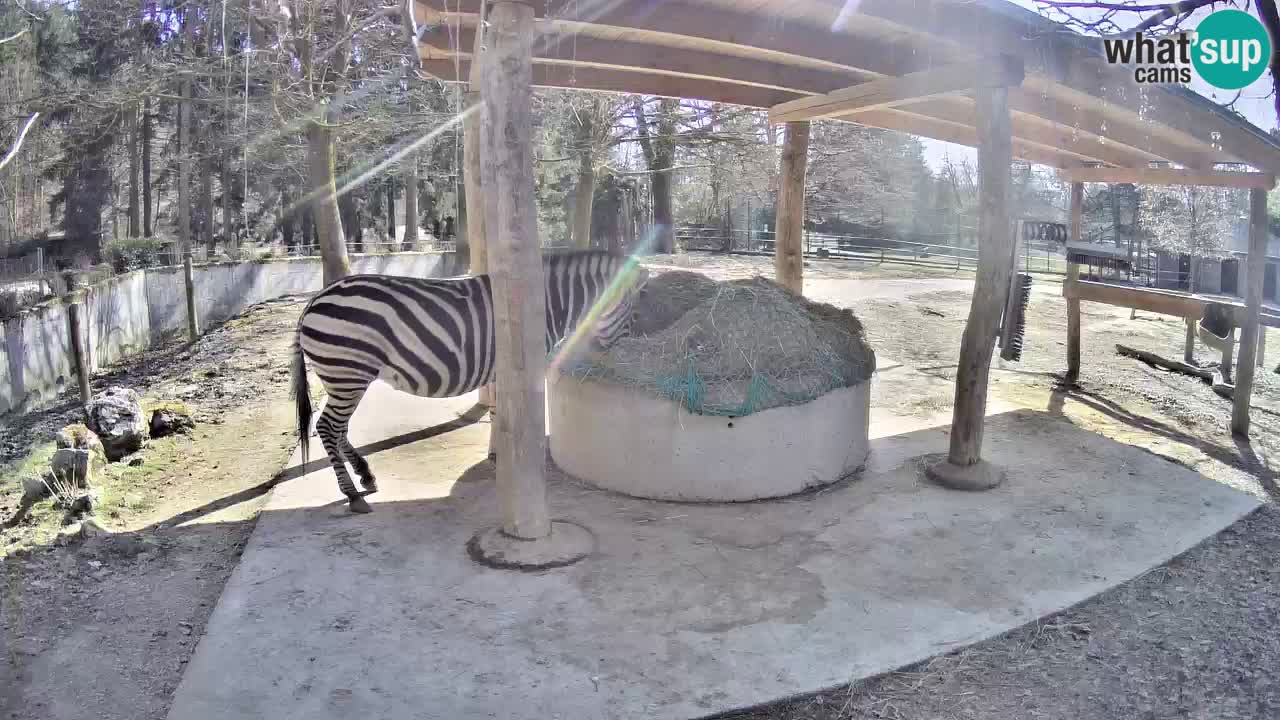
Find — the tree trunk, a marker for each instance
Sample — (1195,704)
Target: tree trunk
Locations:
(288,216)
(350,220)
(663,218)
(184,169)
(146,167)
(410,239)
(206,201)
(391,212)
(659,153)
(324,203)
(135,218)
(228,220)
(308,227)
(584,193)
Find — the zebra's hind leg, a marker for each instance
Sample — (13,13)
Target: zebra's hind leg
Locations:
(367,480)
(332,429)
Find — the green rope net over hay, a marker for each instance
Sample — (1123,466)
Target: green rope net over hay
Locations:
(732,348)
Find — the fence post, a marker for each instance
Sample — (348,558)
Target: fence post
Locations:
(75,328)
(193,324)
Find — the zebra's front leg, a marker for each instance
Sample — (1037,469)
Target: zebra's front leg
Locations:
(332,430)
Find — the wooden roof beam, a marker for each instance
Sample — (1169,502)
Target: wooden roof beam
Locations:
(961,134)
(1036,129)
(1000,71)
(1059,66)
(1170,176)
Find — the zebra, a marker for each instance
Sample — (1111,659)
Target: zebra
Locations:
(435,338)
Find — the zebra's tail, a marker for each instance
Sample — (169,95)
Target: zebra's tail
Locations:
(301,393)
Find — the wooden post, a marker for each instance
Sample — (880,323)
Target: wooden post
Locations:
(474,183)
(79,348)
(788,251)
(1249,331)
(188,273)
(515,266)
(963,469)
(1189,351)
(1073,274)
(1228,356)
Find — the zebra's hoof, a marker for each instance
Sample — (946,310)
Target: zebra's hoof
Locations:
(370,486)
(359,505)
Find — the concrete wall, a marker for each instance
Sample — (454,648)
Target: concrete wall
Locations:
(37,356)
(126,314)
(224,290)
(118,319)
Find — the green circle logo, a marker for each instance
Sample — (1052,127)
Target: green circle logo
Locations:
(1232,49)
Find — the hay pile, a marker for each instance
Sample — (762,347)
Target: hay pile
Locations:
(732,348)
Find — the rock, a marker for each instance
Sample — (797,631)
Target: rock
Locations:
(34,487)
(91,528)
(79,437)
(170,420)
(83,504)
(73,467)
(116,416)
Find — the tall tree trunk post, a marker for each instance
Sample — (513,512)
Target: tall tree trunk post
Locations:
(391,213)
(1258,234)
(146,167)
(323,201)
(789,249)
(964,468)
(184,168)
(135,216)
(410,241)
(527,536)
(228,221)
(584,190)
(583,196)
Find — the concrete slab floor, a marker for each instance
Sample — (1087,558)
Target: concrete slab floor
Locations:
(683,610)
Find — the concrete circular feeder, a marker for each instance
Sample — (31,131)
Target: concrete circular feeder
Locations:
(621,439)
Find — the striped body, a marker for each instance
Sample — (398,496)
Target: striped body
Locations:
(433,338)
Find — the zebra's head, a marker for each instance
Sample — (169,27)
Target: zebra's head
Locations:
(615,319)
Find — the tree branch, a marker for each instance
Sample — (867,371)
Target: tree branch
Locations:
(17,144)
(14,36)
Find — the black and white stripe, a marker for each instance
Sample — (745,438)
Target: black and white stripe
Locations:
(434,338)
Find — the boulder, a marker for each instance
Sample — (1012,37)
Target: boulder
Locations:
(34,487)
(116,416)
(73,467)
(79,437)
(170,420)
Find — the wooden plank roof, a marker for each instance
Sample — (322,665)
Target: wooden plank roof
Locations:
(1072,110)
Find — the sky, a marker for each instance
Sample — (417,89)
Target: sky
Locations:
(1254,102)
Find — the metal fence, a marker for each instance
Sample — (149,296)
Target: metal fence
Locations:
(1040,257)
(22,271)
(171,255)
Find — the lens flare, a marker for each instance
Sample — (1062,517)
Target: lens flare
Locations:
(576,342)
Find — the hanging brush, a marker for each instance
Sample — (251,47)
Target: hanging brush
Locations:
(1014,328)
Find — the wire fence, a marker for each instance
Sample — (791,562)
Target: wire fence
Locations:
(20,271)
(172,255)
(1040,257)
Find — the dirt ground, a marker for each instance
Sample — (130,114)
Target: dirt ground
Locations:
(103,628)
